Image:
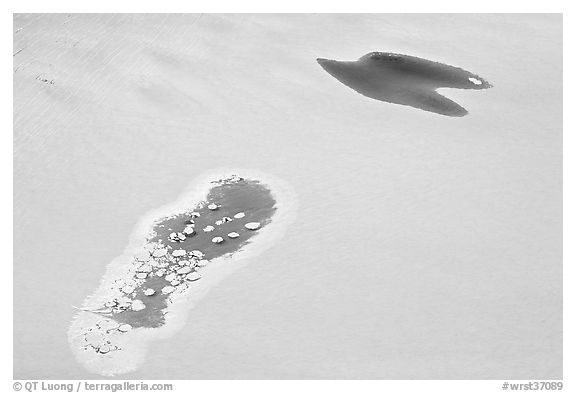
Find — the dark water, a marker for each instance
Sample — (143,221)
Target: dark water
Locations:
(247,196)
(405,80)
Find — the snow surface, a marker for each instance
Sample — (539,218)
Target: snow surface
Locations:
(424,246)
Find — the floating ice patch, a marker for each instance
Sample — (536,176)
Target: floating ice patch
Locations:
(475,81)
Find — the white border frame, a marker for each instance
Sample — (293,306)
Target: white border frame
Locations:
(307,6)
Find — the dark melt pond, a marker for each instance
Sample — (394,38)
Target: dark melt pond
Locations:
(405,80)
(230,205)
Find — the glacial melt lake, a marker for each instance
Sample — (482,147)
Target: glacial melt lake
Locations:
(423,246)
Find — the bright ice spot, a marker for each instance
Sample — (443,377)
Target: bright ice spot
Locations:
(475,81)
